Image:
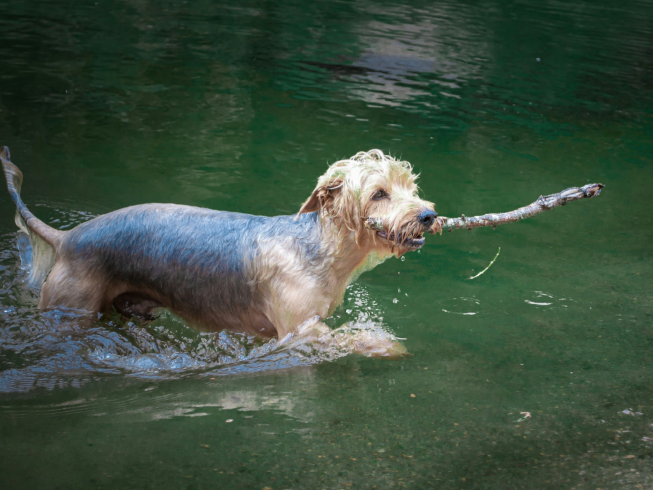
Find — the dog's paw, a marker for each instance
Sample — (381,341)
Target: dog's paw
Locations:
(372,344)
(391,350)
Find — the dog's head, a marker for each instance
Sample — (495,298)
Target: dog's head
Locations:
(374,196)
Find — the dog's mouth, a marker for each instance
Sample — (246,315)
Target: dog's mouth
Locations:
(413,242)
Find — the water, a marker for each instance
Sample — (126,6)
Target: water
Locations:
(241,107)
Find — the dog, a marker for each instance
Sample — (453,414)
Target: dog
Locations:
(265,276)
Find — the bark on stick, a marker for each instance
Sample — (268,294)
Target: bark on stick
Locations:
(544,203)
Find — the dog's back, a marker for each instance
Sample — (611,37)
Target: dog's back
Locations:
(195,261)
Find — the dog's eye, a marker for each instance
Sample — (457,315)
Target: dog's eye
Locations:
(380,194)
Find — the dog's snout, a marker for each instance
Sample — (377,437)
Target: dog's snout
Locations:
(427,217)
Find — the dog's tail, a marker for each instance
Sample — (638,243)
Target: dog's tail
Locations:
(44,239)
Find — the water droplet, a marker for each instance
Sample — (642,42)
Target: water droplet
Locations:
(403,258)
(395,300)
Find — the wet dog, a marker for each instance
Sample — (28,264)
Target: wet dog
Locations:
(267,276)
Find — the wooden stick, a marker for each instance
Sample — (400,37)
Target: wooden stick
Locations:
(490,265)
(543,203)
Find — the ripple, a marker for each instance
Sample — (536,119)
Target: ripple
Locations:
(459,312)
(545,299)
(462,306)
(536,303)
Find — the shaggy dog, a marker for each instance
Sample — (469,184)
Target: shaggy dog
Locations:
(267,276)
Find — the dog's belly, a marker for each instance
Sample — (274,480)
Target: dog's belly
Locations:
(209,319)
(196,262)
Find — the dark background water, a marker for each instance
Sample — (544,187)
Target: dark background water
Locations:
(241,107)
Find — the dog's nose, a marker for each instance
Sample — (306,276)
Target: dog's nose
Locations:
(427,217)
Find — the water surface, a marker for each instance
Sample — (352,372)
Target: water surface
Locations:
(240,108)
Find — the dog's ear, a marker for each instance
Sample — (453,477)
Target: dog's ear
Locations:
(312,204)
(322,196)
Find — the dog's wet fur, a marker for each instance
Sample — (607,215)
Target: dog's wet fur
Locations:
(221,270)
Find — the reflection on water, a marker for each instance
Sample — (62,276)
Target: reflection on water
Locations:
(152,402)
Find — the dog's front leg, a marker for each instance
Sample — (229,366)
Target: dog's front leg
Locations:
(364,341)
(369,342)
(299,322)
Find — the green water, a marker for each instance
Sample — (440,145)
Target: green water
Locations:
(241,107)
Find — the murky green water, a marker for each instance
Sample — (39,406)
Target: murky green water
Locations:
(240,107)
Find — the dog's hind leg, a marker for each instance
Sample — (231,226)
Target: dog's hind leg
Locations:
(73,289)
